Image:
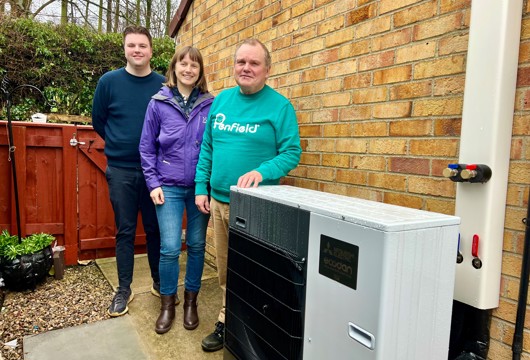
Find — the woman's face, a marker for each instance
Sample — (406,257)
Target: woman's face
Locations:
(187,71)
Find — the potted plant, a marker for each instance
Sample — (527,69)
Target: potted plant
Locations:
(24,264)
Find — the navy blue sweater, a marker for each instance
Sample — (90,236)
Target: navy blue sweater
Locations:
(118,113)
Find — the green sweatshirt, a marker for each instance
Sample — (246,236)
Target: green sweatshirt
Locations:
(245,133)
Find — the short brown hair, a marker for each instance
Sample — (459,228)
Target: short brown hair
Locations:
(134,29)
(195,55)
(254,42)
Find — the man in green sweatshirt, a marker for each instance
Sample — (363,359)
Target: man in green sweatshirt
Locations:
(251,138)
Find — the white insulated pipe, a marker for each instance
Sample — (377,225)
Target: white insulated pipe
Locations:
(489,96)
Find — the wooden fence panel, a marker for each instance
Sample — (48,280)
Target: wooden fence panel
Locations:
(62,189)
(42,166)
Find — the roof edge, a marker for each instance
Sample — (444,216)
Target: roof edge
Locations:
(179,17)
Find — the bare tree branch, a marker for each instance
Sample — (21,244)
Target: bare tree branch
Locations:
(42,7)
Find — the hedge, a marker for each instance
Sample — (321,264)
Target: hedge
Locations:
(65,62)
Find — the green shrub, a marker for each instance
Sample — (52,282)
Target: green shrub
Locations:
(65,62)
(10,248)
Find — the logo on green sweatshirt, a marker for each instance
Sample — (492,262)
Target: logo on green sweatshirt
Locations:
(234,127)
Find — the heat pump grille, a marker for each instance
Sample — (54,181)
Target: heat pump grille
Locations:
(265,299)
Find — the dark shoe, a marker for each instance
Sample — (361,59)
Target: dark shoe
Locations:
(215,341)
(191,318)
(118,306)
(155,290)
(167,314)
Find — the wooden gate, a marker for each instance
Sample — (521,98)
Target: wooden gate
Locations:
(96,218)
(62,188)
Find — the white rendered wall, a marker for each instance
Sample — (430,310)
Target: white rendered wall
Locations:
(487,118)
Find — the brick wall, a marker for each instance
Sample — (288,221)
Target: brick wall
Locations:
(378,88)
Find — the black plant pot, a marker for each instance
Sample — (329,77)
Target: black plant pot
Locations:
(26,271)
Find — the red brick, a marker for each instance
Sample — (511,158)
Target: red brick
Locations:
(360,14)
(431,186)
(310,130)
(411,90)
(415,14)
(352,176)
(392,40)
(438,26)
(409,165)
(351,146)
(369,162)
(387,181)
(370,95)
(310,159)
(376,61)
(434,147)
(356,112)
(405,200)
(370,129)
(357,81)
(392,110)
(320,145)
(411,128)
(392,75)
(325,57)
(336,160)
(355,48)
(523,76)
(337,130)
(321,173)
(452,5)
(447,127)
(391,5)
(325,116)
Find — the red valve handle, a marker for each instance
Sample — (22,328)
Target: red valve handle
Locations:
(474,246)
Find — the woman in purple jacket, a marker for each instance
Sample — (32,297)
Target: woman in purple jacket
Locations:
(169,149)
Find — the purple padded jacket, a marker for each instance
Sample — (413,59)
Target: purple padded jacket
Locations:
(171,141)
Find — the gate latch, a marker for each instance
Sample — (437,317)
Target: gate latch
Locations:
(74,142)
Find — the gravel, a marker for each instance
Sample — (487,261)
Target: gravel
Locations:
(81,297)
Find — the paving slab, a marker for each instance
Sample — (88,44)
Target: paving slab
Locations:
(132,336)
(109,339)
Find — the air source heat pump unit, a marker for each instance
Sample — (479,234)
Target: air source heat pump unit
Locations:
(319,276)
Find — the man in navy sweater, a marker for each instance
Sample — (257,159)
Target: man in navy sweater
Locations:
(118,112)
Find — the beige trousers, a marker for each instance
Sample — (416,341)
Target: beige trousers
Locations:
(220,213)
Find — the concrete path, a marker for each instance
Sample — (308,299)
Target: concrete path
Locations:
(132,336)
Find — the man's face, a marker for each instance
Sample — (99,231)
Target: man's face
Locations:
(250,70)
(138,52)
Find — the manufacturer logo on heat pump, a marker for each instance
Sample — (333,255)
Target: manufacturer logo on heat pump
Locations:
(340,266)
(338,261)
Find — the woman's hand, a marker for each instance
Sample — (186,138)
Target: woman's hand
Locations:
(157,195)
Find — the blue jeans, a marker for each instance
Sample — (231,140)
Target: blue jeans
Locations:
(176,199)
(128,195)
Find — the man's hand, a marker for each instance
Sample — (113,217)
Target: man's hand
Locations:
(157,195)
(250,179)
(202,203)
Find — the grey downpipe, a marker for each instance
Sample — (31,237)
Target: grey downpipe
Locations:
(517,344)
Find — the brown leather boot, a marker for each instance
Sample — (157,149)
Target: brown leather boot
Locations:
(167,314)
(191,318)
